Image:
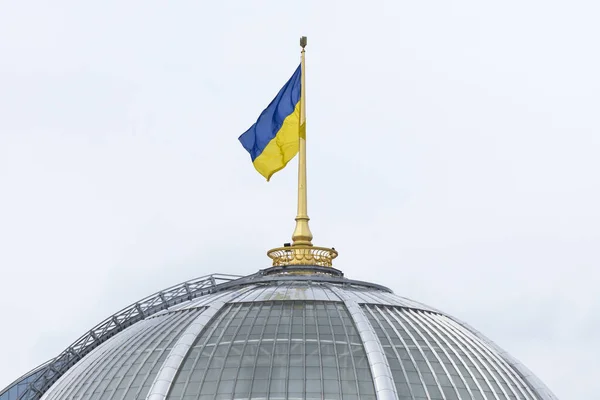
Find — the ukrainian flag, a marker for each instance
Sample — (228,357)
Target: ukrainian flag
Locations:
(273,140)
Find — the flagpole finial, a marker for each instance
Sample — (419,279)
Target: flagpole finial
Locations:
(303,42)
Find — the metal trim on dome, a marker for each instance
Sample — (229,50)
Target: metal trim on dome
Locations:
(138,350)
(308,290)
(479,351)
(261,278)
(385,388)
(302,269)
(164,379)
(399,318)
(423,328)
(119,321)
(524,372)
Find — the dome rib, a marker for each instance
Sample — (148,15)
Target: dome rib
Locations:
(164,379)
(480,351)
(528,376)
(130,357)
(380,369)
(429,339)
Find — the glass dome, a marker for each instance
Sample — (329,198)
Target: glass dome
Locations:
(279,334)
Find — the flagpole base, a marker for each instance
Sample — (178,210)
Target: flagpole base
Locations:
(299,255)
(302,235)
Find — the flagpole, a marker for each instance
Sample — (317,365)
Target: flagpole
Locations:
(301,253)
(302,235)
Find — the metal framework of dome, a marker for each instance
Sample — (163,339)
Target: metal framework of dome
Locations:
(298,330)
(279,335)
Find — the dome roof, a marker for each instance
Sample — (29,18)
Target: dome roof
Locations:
(283,334)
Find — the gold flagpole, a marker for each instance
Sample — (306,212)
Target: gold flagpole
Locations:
(302,235)
(301,253)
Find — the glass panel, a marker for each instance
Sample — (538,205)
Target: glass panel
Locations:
(431,357)
(125,366)
(289,349)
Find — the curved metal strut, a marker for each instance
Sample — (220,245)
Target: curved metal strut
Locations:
(118,322)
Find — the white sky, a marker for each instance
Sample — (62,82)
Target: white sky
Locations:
(453,156)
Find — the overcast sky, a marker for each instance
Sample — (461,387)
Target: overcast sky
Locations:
(453,151)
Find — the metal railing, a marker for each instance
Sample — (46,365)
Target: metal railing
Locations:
(116,323)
